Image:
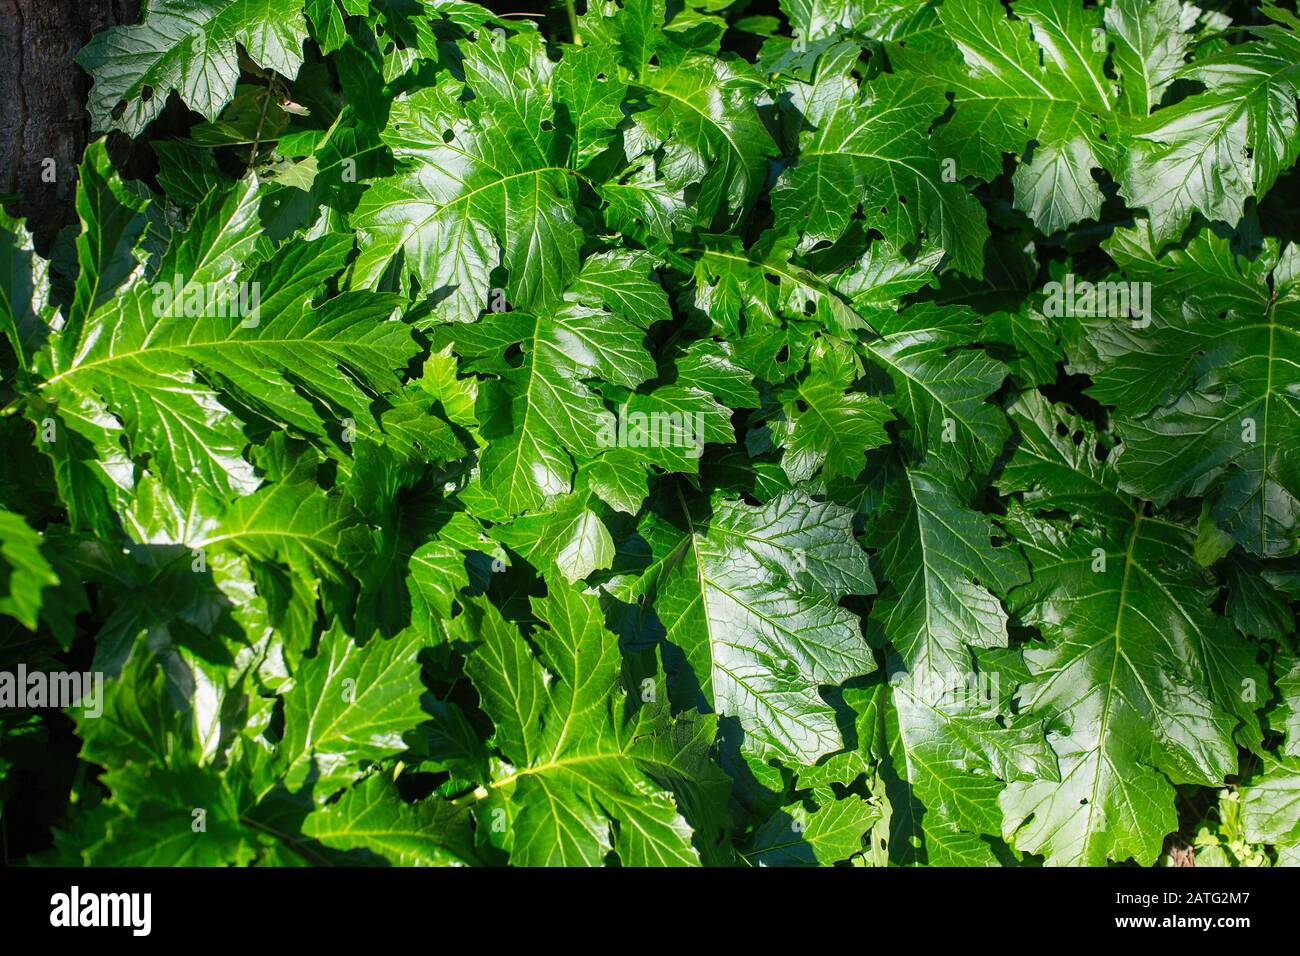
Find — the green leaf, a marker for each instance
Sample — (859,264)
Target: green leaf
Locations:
(542,415)
(869,148)
(766,285)
(1149,47)
(483,184)
(750,597)
(1271,804)
(1139,683)
(818,19)
(372,817)
(158,824)
(349,704)
(831,833)
(174,380)
(189,47)
(829,428)
(1208,400)
(1036,78)
(945,576)
(703,116)
(941,387)
(586,773)
(1212,151)
(956,753)
(25,310)
(26,572)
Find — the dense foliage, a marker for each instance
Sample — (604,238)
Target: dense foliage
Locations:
(863,431)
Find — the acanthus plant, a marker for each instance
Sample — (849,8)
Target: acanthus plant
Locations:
(660,448)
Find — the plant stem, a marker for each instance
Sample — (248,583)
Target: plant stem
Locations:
(475,795)
(14,407)
(573,22)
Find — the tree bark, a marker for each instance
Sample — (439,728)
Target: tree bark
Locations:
(43,120)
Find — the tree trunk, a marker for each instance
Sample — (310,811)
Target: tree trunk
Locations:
(43,118)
